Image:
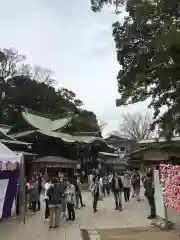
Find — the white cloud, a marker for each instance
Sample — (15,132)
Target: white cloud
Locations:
(69,38)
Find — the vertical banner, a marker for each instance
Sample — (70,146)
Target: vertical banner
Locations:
(11,178)
(159,199)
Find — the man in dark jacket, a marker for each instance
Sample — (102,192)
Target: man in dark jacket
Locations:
(95,191)
(149,193)
(78,197)
(117,188)
(54,194)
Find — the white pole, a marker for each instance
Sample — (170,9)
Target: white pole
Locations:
(22,193)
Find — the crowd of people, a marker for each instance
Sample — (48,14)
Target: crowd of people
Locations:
(122,183)
(60,194)
(115,183)
(63,195)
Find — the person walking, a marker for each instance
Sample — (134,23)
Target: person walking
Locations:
(28,188)
(137,185)
(96,192)
(79,191)
(54,194)
(63,202)
(39,181)
(133,178)
(90,179)
(127,186)
(34,194)
(110,177)
(149,193)
(76,192)
(70,200)
(117,187)
(101,185)
(47,185)
(106,187)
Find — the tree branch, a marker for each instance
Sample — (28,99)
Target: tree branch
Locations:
(135,126)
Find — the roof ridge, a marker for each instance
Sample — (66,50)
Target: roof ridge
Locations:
(5,125)
(45,115)
(59,117)
(27,110)
(84,133)
(5,136)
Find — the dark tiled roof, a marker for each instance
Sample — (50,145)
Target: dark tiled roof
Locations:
(155,147)
(54,159)
(63,136)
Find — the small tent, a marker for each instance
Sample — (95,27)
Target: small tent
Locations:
(9,177)
(7,157)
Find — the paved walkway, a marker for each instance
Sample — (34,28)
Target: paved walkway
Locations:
(133,215)
(140,233)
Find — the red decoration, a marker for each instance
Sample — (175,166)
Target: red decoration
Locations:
(170,180)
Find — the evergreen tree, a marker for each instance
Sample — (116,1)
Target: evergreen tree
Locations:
(148,51)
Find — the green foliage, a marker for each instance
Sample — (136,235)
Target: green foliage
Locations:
(70,96)
(148,51)
(20,88)
(87,121)
(83,121)
(97,5)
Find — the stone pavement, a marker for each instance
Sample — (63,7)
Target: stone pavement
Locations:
(142,233)
(133,215)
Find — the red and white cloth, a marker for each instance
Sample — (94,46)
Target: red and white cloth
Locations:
(170,180)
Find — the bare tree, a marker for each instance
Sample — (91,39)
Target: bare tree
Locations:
(25,70)
(135,126)
(102,125)
(44,75)
(38,74)
(9,62)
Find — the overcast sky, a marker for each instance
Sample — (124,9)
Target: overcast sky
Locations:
(67,37)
